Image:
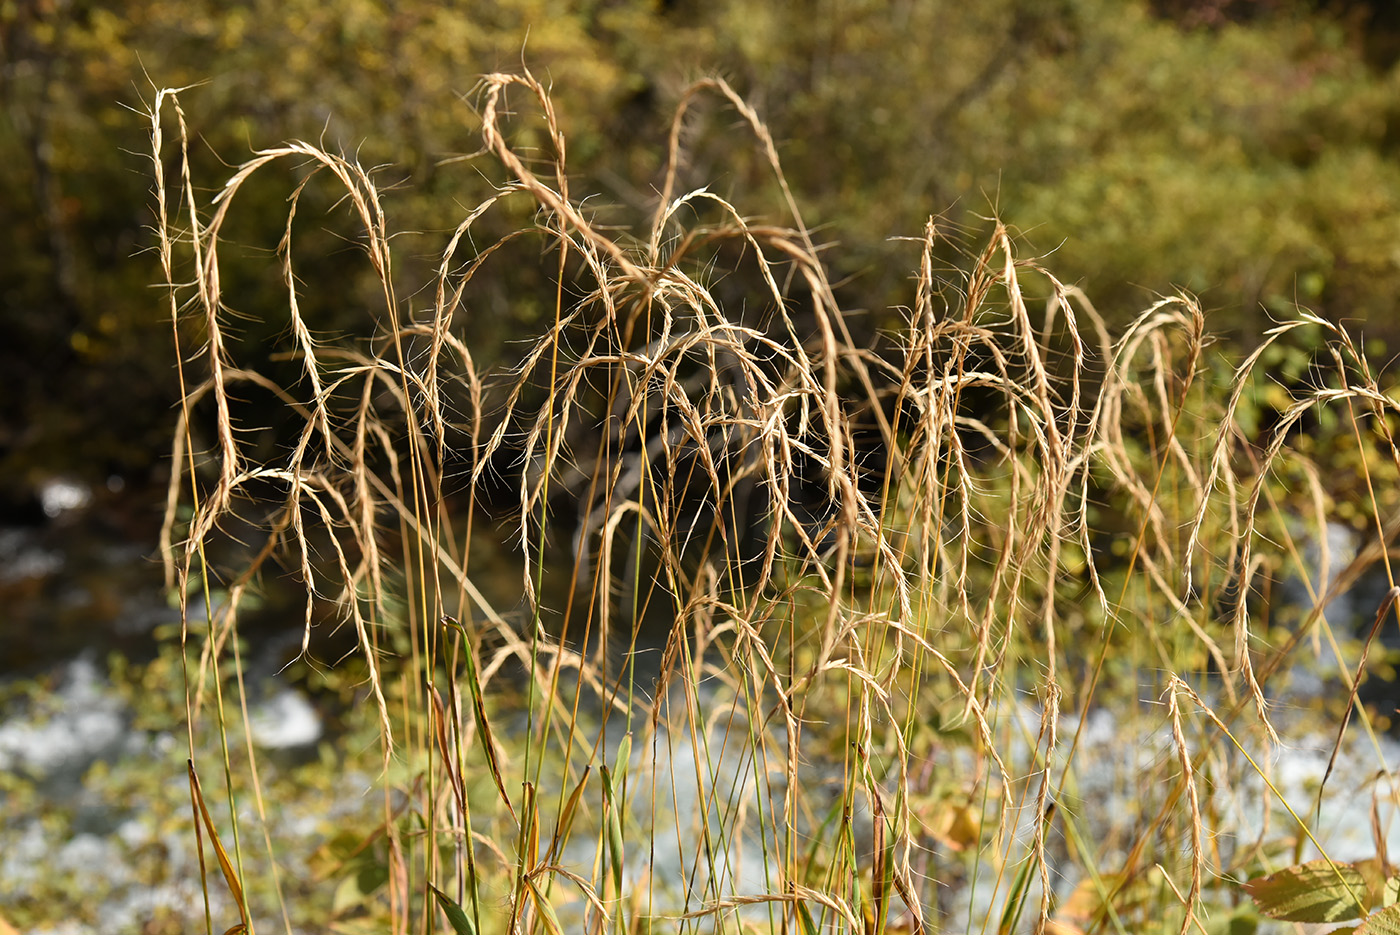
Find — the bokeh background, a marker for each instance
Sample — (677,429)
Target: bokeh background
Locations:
(1242,149)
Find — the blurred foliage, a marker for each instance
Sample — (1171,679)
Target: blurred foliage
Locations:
(1243,151)
(116,854)
(1251,163)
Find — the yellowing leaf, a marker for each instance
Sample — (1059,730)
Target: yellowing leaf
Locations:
(235,886)
(1317,891)
(1385,922)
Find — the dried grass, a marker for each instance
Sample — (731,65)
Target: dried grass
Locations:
(875,637)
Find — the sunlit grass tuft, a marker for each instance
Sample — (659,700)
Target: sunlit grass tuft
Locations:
(943,632)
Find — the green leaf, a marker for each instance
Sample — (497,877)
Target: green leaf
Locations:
(461,923)
(621,763)
(614,821)
(1015,902)
(804,917)
(1317,891)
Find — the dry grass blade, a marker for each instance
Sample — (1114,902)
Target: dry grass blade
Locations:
(1386,604)
(485,735)
(206,822)
(1188,779)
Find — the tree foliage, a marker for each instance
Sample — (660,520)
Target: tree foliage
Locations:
(1150,147)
